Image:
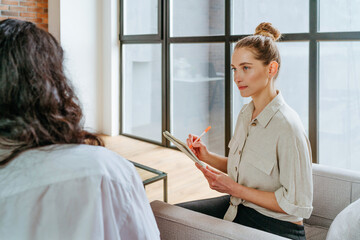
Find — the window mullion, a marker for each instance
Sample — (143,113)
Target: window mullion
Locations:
(314,80)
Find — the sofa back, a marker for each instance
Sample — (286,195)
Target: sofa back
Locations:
(175,222)
(334,189)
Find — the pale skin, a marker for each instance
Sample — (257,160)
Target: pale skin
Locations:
(255,80)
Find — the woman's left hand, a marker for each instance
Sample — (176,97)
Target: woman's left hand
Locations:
(217,180)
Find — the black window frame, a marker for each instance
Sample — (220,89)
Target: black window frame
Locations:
(314,37)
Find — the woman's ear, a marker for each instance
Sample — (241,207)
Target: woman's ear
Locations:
(273,69)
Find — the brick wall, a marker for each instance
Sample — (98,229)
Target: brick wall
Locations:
(35,11)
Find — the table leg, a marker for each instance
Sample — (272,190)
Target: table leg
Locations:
(165,190)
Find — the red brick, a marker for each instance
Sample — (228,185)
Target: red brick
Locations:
(28,4)
(42,15)
(8,13)
(26,14)
(19,18)
(4,7)
(38,10)
(45,20)
(43,5)
(45,1)
(18,9)
(9,2)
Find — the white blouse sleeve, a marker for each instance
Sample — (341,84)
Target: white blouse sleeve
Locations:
(296,193)
(129,209)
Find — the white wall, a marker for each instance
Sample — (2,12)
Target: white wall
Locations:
(88,32)
(111,68)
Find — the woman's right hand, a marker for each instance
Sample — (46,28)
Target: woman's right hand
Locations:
(198,148)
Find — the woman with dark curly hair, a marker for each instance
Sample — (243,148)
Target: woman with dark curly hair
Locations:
(57,181)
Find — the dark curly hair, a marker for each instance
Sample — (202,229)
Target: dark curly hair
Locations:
(37,104)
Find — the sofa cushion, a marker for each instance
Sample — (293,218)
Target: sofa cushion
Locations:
(346,225)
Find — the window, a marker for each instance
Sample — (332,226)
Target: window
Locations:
(246,15)
(140,17)
(142,90)
(339,101)
(339,16)
(197,92)
(197,18)
(175,70)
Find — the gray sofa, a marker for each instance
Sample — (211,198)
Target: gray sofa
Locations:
(334,190)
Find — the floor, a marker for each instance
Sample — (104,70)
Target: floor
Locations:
(185,181)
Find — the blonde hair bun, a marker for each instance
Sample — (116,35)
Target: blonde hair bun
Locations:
(268,30)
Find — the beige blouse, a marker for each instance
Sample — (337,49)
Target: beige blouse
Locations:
(272,153)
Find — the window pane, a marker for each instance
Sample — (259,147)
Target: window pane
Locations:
(340,104)
(293,79)
(140,20)
(197,18)
(289,16)
(293,87)
(197,92)
(141,114)
(339,15)
(237,101)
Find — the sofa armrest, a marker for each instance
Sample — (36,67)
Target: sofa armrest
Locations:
(334,190)
(179,223)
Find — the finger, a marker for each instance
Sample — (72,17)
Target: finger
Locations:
(194,137)
(212,170)
(188,142)
(189,139)
(202,169)
(210,184)
(209,174)
(198,166)
(214,186)
(194,150)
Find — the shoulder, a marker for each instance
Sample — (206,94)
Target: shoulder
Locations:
(289,122)
(78,160)
(247,108)
(96,159)
(64,163)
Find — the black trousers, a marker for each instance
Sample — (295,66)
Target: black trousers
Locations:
(246,216)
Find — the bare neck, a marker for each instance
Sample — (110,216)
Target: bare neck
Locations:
(262,99)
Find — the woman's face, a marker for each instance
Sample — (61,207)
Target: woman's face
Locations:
(250,74)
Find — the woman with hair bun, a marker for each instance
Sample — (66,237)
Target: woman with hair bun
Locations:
(269,176)
(57,181)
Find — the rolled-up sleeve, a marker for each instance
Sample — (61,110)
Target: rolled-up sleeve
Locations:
(295,195)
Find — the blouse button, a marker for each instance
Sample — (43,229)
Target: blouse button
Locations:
(239,152)
(253,124)
(236,169)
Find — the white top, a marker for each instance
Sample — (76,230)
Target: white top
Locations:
(272,153)
(73,192)
(346,225)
